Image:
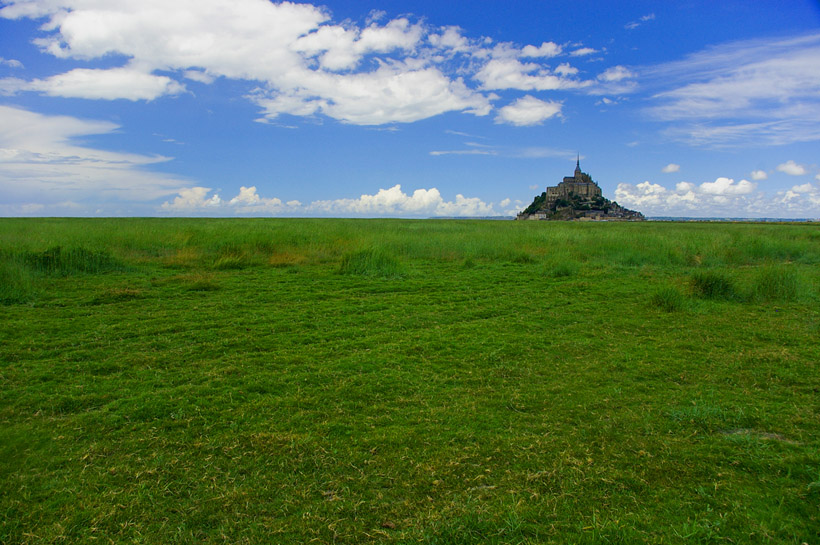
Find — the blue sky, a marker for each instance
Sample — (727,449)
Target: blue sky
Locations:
(406,108)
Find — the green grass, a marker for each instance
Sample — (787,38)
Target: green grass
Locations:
(16,283)
(713,285)
(669,299)
(391,381)
(777,283)
(371,262)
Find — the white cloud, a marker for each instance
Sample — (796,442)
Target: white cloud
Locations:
(376,15)
(761,91)
(114,83)
(791,168)
(615,80)
(583,52)
(564,69)
(394,202)
(527,111)
(201,77)
(248,201)
(509,73)
(805,197)
(12,63)
(450,39)
(758,175)
(536,152)
(722,198)
(804,188)
(635,24)
(671,167)
(463,152)
(727,186)
(615,73)
(304,63)
(547,49)
(41,161)
(292,57)
(386,202)
(192,199)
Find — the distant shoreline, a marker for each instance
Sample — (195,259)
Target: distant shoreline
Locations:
(663,218)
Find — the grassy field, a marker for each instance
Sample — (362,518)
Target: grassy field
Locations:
(390,381)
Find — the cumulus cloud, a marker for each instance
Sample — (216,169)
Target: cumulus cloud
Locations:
(305,63)
(724,95)
(527,111)
(192,199)
(114,83)
(791,168)
(671,167)
(450,40)
(723,197)
(297,59)
(510,73)
(615,73)
(564,69)
(804,199)
(727,186)
(758,175)
(546,49)
(386,202)
(615,80)
(42,161)
(394,202)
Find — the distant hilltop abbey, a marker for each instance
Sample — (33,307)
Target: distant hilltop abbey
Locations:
(577,197)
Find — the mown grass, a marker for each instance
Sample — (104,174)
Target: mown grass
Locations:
(458,382)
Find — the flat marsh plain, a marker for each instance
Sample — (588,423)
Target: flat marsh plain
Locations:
(397,381)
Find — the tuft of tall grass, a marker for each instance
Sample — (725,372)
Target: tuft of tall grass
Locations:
(562,268)
(230,262)
(668,299)
(59,261)
(371,262)
(713,285)
(522,257)
(776,283)
(16,285)
(201,282)
(117,295)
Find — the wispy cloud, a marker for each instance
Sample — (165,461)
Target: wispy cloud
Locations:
(635,24)
(12,63)
(465,134)
(42,160)
(761,91)
(464,152)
